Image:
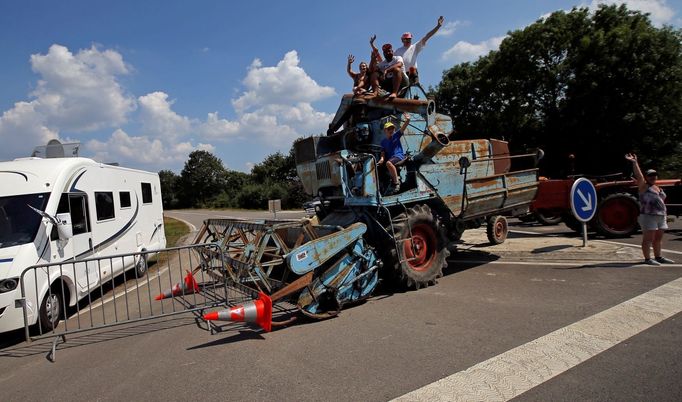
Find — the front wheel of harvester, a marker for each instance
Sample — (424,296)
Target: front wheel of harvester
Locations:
(419,259)
(497,229)
(50,310)
(617,215)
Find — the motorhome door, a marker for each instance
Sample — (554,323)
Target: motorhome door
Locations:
(81,243)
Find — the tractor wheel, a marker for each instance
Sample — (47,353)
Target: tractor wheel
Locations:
(572,223)
(497,229)
(617,215)
(547,218)
(528,218)
(419,260)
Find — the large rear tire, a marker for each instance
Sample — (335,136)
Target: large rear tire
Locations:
(419,260)
(617,215)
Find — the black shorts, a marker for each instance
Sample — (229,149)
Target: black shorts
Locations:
(387,83)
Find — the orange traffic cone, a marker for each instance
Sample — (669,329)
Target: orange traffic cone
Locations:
(258,311)
(186,287)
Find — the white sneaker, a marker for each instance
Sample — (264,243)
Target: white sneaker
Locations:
(664,260)
(649,261)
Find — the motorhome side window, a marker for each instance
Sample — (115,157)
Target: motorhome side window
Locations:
(124,197)
(146,193)
(76,205)
(104,204)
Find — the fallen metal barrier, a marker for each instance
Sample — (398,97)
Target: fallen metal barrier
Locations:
(69,297)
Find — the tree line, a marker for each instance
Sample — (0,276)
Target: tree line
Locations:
(594,85)
(204,182)
(586,87)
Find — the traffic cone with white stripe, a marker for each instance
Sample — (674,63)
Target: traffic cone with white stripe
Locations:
(258,311)
(188,286)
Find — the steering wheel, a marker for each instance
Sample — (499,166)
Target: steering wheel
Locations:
(370,148)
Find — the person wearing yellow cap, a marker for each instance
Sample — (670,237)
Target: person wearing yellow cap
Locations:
(410,51)
(392,152)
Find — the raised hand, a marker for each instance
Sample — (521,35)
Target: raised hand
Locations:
(631,157)
(440,20)
(351,59)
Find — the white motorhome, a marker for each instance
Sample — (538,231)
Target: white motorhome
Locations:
(56,209)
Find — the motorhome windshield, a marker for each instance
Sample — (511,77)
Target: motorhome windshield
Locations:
(19,223)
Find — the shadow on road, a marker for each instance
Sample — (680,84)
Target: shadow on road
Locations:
(616,265)
(242,335)
(44,346)
(549,249)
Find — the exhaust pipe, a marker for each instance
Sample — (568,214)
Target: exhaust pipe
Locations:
(438,142)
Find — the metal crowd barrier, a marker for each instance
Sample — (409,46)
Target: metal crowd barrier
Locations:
(93,293)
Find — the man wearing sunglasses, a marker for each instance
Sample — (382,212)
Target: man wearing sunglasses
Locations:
(410,51)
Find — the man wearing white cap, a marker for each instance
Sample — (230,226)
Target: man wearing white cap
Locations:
(409,51)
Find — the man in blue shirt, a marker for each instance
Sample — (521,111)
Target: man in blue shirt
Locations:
(392,152)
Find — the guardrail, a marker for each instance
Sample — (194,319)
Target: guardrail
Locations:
(69,297)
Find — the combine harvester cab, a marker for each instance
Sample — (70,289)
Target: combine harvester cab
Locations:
(360,234)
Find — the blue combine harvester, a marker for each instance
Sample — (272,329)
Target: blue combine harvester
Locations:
(362,234)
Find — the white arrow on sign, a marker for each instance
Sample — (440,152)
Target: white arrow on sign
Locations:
(587,201)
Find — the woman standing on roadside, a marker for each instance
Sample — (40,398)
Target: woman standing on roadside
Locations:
(652,214)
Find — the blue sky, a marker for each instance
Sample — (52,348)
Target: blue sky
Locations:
(145,83)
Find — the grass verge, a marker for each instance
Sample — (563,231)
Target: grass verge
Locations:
(174,231)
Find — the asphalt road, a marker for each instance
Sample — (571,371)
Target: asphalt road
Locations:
(381,349)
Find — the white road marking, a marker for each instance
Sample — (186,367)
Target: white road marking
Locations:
(597,240)
(518,370)
(637,246)
(559,264)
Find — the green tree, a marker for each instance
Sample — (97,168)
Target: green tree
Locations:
(594,85)
(277,177)
(169,188)
(202,179)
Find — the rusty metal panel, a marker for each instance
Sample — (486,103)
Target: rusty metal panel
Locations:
(500,148)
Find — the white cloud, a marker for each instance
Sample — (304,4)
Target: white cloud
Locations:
(276,104)
(151,153)
(660,12)
(80,92)
(158,119)
(76,92)
(284,83)
(465,51)
(21,129)
(216,128)
(449,28)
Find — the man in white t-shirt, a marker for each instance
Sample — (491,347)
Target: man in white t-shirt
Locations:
(409,51)
(390,74)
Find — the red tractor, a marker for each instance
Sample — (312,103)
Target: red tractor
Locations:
(617,208)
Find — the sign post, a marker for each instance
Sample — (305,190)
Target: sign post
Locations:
(583,203)
(274,206)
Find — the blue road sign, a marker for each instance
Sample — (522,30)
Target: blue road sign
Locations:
(583,200)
